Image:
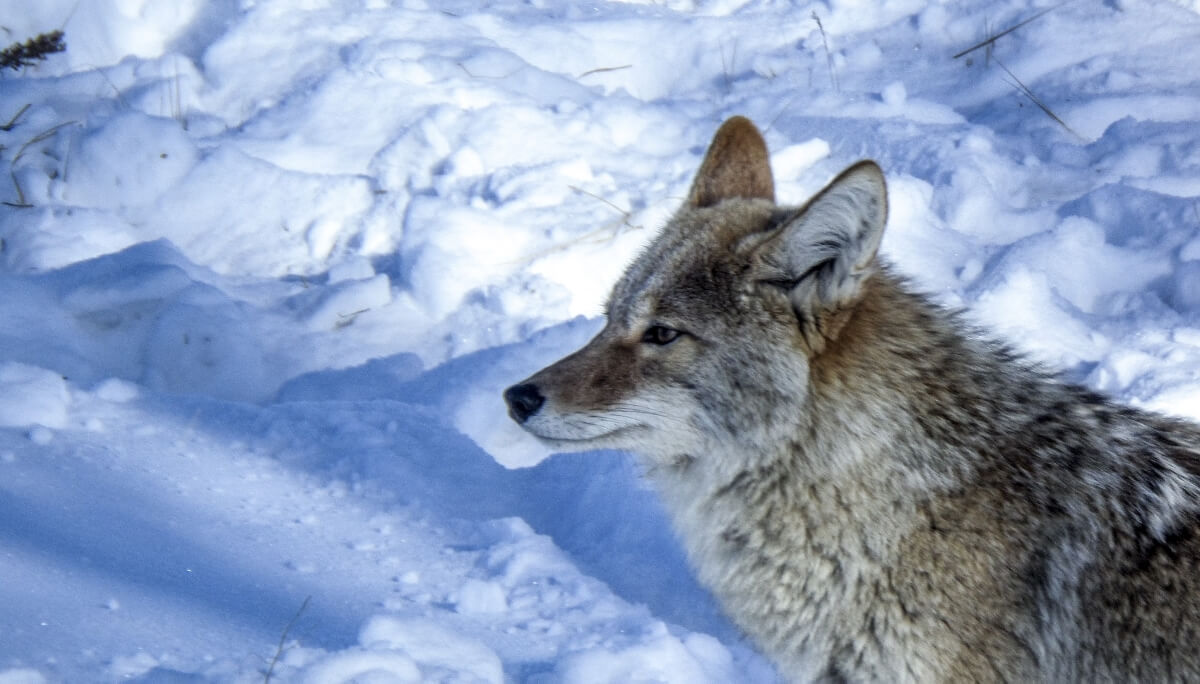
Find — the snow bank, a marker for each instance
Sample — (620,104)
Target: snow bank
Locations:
(266,268)
(32,396)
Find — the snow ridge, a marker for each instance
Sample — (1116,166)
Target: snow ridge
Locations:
(266,266)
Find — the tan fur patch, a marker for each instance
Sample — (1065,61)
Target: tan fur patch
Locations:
(736,165)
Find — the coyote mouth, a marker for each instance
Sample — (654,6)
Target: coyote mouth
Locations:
(579,431)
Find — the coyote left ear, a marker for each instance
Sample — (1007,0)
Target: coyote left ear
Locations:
(736,165)
(826,252)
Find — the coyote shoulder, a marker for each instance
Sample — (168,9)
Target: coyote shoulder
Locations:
(872,490)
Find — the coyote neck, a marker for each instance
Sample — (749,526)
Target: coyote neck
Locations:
(771,542)
(902,386)
(829,518)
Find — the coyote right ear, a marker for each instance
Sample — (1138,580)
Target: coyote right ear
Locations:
(736,165)
(825,253)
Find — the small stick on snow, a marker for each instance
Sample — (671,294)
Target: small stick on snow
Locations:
(283,638)
(601,234)
(624,212)
(348,318)
(727,67)
(1019,85)
(13,121)
(828,55)
(12,168)
(604,69)
(1009,30)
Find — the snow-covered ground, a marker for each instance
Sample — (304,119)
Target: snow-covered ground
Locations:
(266,265)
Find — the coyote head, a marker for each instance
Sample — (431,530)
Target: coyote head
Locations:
(713,330)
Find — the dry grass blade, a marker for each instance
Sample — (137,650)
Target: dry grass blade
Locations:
(604,233)
(1008,30)
(12,169)
(283,639)
(624,212)
(12,123)
(601,70)
(177,96)
(727,64)
(1019,85)
(828,55)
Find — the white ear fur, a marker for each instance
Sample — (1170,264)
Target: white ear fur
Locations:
(827,251)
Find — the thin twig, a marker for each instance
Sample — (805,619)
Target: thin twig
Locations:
(605,232)
(283,638)
(12,165)
(828,54)
(991,48)
(70,15)
(177,95)
(727,68)
(1009,30)
(625,213)
(1019,85)
(348,318)
(13,121)
(604,69)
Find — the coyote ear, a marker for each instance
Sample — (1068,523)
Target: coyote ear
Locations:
(825,253)
(736,165)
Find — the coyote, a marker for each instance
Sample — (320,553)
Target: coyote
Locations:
(874,491)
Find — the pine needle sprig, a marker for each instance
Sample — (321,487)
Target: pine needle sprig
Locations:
(31,51)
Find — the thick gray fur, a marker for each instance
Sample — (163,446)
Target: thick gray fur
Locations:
(874,491)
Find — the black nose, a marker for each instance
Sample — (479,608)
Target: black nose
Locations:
(523,401)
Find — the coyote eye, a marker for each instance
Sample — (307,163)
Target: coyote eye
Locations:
(660,335)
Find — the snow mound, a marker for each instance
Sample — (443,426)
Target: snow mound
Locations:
(266,268)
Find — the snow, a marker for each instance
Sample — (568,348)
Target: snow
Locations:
(266,266)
